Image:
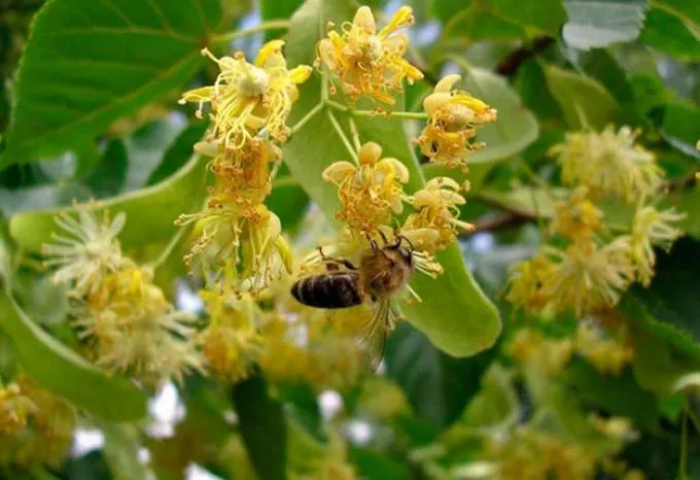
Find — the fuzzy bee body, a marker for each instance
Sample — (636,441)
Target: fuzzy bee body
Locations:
(332,290)
(381,274)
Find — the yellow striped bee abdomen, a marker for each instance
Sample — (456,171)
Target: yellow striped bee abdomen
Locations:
(329,290)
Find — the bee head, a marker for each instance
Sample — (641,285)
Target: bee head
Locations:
(405,253)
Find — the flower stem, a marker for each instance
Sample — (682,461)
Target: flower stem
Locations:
(169,248)
(371,113)
(343,137)
(355,134)
(230,36)
(303,120)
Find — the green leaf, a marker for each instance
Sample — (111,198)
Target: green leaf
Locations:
(618,395)
(501,19)
(262,426)
(275,10)
(601,65)
(669,307)
(288,200)
(178,153)
(668,33)
(493,410)
(87,64)
(681,125)
(595,23)
(441,315)
(585,101)
(658,366)
(150,212)
(437,385)
(109,176)
(673,26)
(63,372)
(373,465)
(531,83)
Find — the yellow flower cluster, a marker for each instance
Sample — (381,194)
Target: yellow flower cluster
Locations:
(238,247)
(250,104)
(550,356)
(319,347)
(609,350)
(610,355)
(609,164)
(41,430)
(231,343)
(131,325)
(372,192)
(15,408)
(590,268)
(532,454)
(368,62)
(453,117)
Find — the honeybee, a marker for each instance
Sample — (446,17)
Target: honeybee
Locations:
(382,273)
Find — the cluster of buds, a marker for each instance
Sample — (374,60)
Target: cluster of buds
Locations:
(588,268)
(131,326)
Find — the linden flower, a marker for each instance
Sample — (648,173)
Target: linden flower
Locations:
(454,117)
(587,277)
(284,357)
(532,455)
(47,436)
(243,176)
(609,164)
(369,192)
(136,330)
(15,409)
(608,355)
(246,97)
(650,228)
(367,62)
(438,211)
(526,283)
(229,235)
(230,344)
(578,218)
(86,250)
(547,355)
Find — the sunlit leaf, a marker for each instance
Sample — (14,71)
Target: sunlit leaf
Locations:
(585,101)
(593,23)
(104,60)
(150,212)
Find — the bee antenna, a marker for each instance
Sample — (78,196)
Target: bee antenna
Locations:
(381,234)
(405,238)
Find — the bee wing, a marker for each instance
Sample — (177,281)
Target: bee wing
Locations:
(374,333)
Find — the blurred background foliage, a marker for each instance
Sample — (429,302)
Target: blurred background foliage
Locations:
(541,398)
